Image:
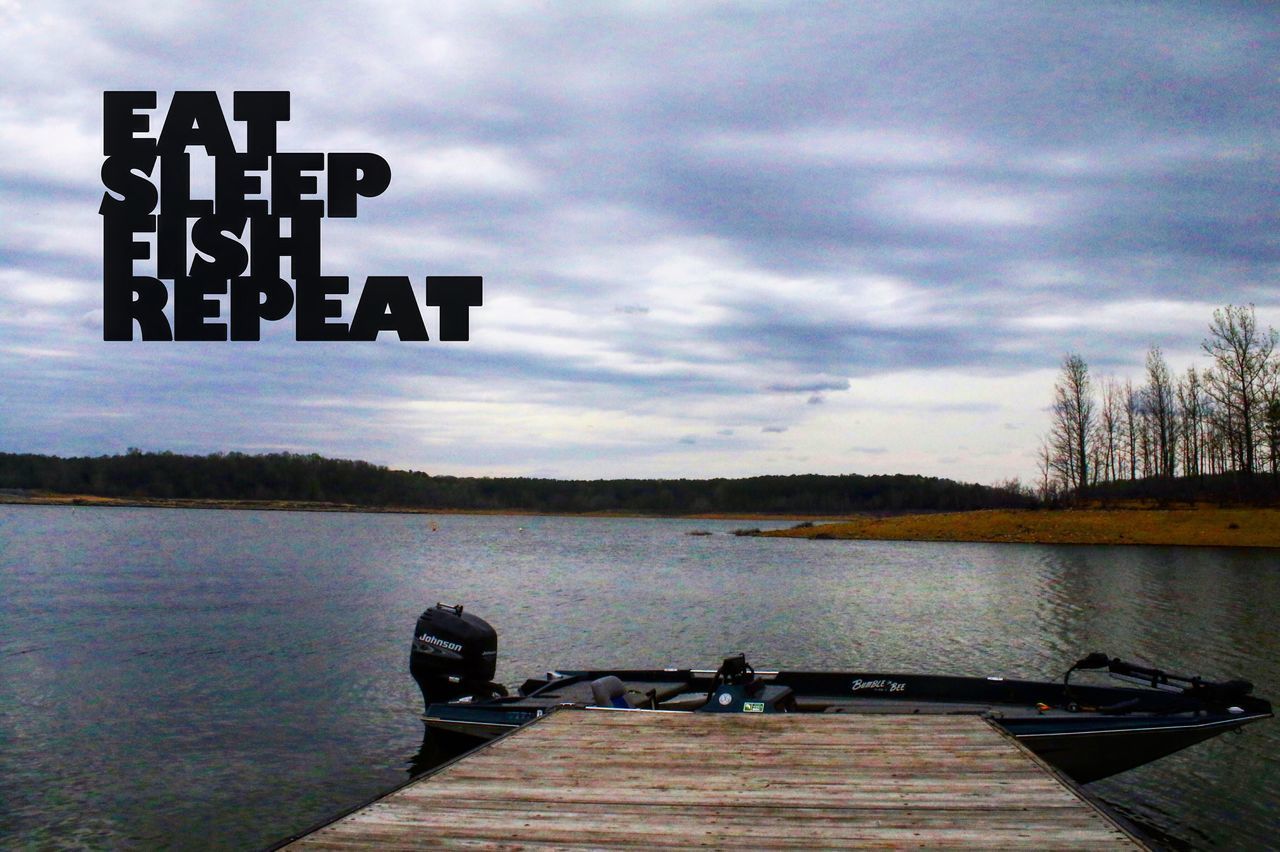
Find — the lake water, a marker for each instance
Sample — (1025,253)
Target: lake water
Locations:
(222,679)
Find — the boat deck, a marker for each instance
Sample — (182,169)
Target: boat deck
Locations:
(580,779)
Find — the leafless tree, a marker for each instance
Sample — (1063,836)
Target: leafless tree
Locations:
(1159,406)
(1073,416)
(1044,465)
(1131,426)
(1212,420)
(1192,411)
(1271,419)
(1243,366)
(1110,428)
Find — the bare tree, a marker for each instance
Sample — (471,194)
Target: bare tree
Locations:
(1073,416)
(1192,410)
(1044,462)
(1242,357)
(1110,428)
(1224,446)
(1159,406)
(1271,419)
(1131,426)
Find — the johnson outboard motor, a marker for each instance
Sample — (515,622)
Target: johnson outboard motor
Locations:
(454,654)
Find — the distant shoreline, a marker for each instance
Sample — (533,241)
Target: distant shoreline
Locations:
(1198,526)
(90,501)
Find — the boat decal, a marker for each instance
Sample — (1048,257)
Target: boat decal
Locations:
(753,707)
(428,639)
(878,685)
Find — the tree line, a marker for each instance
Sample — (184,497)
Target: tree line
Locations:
(1214,427)
(315,479)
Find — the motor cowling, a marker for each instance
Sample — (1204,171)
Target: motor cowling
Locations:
(452,646)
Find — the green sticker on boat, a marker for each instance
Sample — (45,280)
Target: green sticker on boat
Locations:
(753,707)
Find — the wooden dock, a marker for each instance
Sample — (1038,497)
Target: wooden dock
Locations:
(590,779)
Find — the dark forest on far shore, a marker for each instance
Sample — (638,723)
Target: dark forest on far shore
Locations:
(293,477)
(312,478)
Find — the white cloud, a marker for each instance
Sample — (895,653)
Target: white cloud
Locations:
(952,203)
(59,149)
(19,288)
(845,146)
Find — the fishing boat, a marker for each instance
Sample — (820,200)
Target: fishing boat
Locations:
(1085,731)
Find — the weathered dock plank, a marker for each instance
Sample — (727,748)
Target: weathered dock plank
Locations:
(581,779)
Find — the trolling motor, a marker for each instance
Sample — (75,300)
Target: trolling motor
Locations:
(1196,687)
(454,654)
(736,689)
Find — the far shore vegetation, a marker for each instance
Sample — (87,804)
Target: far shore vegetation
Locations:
(289,480)
(1170,431)
(46,498)
(1222,510)
(1201,525)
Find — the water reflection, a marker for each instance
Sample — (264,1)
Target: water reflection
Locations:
(437,749)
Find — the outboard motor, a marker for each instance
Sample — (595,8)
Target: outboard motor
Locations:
(454,654)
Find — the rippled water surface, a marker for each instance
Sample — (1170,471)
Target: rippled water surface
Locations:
(221,679)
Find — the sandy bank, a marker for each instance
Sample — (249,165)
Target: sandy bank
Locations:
(1199,526)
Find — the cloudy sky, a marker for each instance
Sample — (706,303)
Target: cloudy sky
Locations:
(716,239)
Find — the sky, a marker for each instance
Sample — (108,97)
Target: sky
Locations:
(716,239)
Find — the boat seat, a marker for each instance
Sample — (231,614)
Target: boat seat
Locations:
(609,691)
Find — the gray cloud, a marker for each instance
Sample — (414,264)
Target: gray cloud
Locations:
(672,209)
(808,387)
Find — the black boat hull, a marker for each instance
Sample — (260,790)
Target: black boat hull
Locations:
(1088,756)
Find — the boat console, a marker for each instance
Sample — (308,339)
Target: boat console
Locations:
(736,689)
